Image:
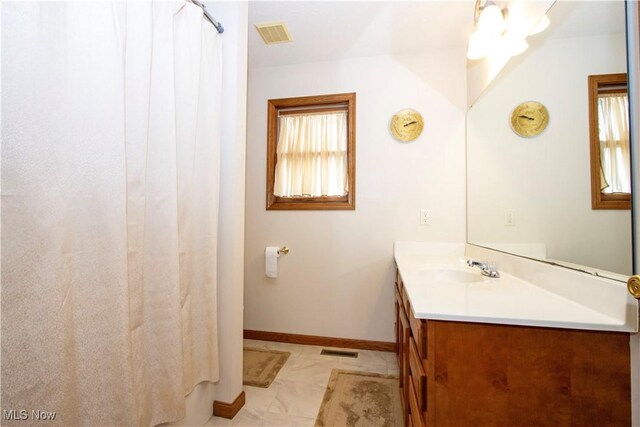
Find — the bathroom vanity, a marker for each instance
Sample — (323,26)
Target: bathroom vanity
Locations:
(477,351)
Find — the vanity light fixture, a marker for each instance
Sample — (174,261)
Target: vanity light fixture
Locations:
(491,34)
(490,24)
(489,18)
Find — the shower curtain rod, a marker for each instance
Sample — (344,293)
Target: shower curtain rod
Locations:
(209,17)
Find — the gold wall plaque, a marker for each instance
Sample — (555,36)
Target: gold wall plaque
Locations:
(406,125)
(529,119)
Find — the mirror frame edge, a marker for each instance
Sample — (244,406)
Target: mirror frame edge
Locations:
(633,82)
(632,10)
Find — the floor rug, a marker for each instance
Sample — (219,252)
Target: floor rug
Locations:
(361,399)
(260,366)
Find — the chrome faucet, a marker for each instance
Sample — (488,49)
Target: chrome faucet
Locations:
(486,269)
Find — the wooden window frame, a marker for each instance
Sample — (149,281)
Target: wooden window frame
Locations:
(600,84)
(276,106)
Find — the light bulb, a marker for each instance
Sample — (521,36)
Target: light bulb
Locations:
(491,20)
(541,25)
(478,47)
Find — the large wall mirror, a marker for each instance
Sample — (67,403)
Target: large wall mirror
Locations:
(532,196)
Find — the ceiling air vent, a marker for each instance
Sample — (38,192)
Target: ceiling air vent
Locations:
(274,32)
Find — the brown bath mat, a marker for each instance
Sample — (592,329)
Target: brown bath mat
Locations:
(361,399)
(261,366)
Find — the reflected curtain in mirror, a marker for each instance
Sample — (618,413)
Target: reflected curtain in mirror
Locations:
(609,135)
(615,165)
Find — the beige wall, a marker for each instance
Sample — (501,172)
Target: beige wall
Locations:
(234,16)
(337,280)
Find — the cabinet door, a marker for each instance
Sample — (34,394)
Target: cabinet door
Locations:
(419,332)
(522,376)
(401,322)
(404,361)
(414,410)
(418,376)
(398,332)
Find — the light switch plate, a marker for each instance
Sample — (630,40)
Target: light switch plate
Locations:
(425,217)
(509,218)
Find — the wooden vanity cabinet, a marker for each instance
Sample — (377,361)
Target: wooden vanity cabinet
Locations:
(476,374)
(411,350)
(403,334)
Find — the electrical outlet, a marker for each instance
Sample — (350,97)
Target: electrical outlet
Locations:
(509,218)
(425,218)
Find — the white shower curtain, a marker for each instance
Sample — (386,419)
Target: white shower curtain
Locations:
(110,160)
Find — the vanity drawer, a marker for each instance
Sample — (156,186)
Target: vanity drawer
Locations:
(418,376)
(419,331)
(399,300)
(416,414)
(403,355)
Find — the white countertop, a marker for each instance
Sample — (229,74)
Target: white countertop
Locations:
(505,300)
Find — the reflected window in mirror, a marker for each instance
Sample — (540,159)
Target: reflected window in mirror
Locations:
(609,135)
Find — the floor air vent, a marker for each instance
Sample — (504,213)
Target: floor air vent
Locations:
(341,353)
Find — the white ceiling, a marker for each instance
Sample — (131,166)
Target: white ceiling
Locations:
(331,30)
(586,18)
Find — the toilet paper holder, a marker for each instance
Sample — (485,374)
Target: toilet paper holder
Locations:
(283,250)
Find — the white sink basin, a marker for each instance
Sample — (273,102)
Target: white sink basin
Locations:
(440,286)
(451,275)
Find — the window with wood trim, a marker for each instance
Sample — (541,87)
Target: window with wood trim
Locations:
(311,153)
(610,145)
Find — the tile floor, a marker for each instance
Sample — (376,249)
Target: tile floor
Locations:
(294,397)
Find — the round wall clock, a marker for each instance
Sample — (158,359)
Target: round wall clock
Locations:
(406,125)
(529,119)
